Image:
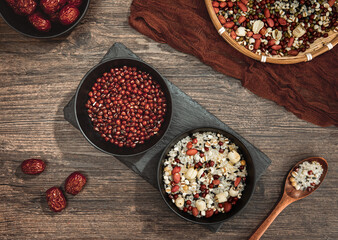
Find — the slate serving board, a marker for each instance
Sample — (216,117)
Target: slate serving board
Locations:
(187,115)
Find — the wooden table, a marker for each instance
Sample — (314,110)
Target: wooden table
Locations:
(38,77)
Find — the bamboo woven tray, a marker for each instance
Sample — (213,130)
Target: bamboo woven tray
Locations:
(320,46)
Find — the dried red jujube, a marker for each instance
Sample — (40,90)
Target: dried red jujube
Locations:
(75,3)
(40,22)
(33,166)
(75,182)
(52,6)
(12,3)
(25,7)
(68,15)
(55,199)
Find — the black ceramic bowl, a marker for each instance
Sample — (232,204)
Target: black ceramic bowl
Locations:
(246,194)
(22,25)
(84,122)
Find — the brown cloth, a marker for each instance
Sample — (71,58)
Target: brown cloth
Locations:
(309,90)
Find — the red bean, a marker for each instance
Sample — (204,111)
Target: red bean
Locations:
(227,206)
(203,187)
(177,177)
(191,152)
(216,182)
(176,169)
(126,106)
(175,188)
(195,211)
(237,181)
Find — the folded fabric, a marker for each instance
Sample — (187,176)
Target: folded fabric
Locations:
(309,90)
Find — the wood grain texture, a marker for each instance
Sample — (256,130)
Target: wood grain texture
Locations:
(38,77)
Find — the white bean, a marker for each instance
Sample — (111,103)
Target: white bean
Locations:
(179,202)
(201,205)
(222,197)
(234,157)
(233,192)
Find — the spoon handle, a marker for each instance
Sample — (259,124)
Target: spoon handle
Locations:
(283,203)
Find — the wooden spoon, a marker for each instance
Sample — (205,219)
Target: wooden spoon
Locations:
(290,195)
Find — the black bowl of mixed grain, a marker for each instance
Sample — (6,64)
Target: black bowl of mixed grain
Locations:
(206,175)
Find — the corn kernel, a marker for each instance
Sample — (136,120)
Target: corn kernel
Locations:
(243,162)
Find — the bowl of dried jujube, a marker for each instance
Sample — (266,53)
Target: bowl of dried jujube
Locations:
(43,18)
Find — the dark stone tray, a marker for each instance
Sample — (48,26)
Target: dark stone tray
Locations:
(187,114)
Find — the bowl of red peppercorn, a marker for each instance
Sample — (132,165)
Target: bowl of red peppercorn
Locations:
(202,179)
(123,106)
(43,18)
